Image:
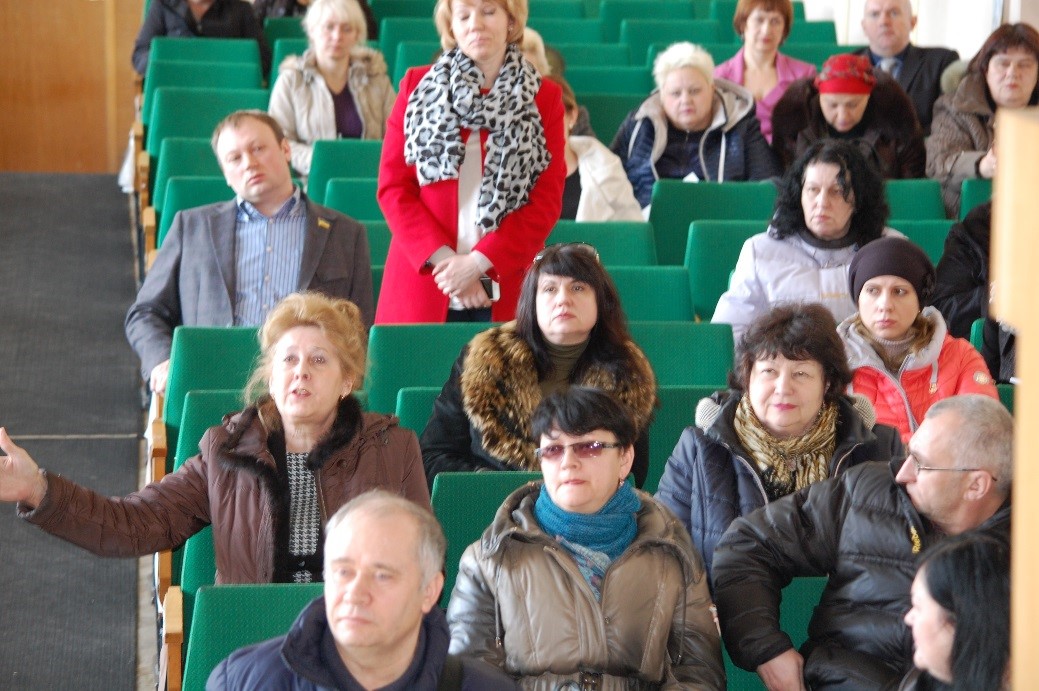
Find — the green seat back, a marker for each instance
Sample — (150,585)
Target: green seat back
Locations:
(974,191)
(415,405)
(677,411)
(613,12)
(559,30)
(977,333)
(915,199)
(795,612)
(180,111)
(621,80)
(654,293)
(207,50)
(228,617)
(354,197)
(205,357)
(340,158)
(402,8)
(1006,396)
(465,504)
(217,75)
(413,54)
(711,254)
(402,355)
(283,48)
(593,54)
(197,569)
(816,53)
(556,9)
(203,408)
(619,243)
(607,111)
(275,28)
(720,52)
(812,32)
(676,204)
(686,353)
(393,30)
(187,192)
(640,34)
(181,156)
(929,235)
(378,241)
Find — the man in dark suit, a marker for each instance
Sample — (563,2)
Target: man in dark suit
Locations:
(887,24)
(228,264)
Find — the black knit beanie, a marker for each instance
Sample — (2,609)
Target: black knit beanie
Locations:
(892,256)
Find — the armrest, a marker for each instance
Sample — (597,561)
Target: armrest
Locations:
(156,437)
(172,654)
(144,164)
(149,227)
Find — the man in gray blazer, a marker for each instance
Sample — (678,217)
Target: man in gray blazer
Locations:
(887,25)
(228,264)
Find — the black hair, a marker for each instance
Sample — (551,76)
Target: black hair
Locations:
(580,410)
(860,182)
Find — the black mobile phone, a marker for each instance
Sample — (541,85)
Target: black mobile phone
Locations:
(491,288)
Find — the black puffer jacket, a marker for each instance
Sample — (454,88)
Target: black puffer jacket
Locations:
(710,479)
(862,530)
(961,290)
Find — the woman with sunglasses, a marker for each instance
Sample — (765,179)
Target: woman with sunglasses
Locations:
(621,595)
(784,423)
(569,330)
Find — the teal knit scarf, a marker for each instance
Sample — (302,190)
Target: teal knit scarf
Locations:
(609,530)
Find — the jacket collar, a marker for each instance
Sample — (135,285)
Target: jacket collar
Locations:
(862,354)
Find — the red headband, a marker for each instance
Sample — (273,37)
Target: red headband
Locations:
(846,74)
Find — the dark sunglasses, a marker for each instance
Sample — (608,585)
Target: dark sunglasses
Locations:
(582,449)
(559,246)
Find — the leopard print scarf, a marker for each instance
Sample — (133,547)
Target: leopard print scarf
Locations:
(448,99)
(787,465)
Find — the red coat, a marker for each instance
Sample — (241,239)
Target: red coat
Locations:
(946,367)
(424,219)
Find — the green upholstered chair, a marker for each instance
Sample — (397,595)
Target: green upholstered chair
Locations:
(465,504)
(613,12)
(341,158)
(378,241)
(402,8)
(283,48)
(415,405)
(711,253)
(676,204)
(607,111)
(640,34)
(412,54)
(677,411)
(1006,396)
(619,243)
(354,197)
(593,54)
(929,235)
(217,75)
(977,333)
(812,32)
(180,156)
(393,30)
(275,28)
(974,191)
(186,192)
(560,30)
(654,293)
(621,80)
(686,353)
(207,50)
(556,9)
(916,199)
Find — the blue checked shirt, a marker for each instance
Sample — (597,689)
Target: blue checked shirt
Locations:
(268,253)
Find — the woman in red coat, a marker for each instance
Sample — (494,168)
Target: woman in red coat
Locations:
(472,172)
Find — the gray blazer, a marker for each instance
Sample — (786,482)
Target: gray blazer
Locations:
(192,281)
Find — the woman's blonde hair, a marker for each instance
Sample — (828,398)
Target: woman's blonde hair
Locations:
(518,10)
(346,10)
(533,47)
(339,321)
(680,55)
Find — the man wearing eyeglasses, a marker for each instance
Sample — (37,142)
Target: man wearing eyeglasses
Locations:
(865,530)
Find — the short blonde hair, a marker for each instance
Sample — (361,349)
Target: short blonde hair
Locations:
(339,321)
(533,48)
(518,10)
(345,10)
(680,55)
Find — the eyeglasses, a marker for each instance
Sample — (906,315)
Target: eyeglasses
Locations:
(918,466)
(582,449)
(578,246)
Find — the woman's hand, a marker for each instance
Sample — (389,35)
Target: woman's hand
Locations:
(457,274)
(20,477)
(987,164)
(474,297)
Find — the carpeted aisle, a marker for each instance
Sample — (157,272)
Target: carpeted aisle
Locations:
(68,395)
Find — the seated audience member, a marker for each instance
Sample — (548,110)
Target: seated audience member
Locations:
(298,8)
(468,212)
(901,355)
(865,530)
(569,330)
(597,188)
(266,478)
(582,581)
(830,203)
(887,25)
(693,127)
(1004,74)
(784,423)
(383,557)
(337,88)
(960,616)
(213,267)
(194,18)
(847,101)
(759,66)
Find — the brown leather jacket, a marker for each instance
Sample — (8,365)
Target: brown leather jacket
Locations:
(521,604)
(234,485)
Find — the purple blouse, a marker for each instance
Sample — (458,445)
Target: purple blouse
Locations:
(787,70)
